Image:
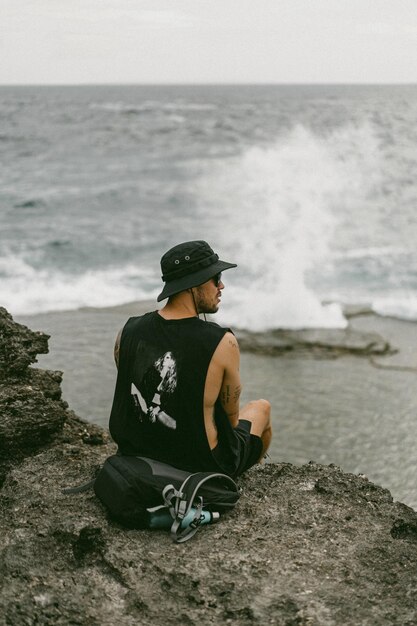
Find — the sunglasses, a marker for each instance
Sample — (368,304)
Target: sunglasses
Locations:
(217,279)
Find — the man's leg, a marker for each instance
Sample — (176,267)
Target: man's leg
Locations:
(258,412)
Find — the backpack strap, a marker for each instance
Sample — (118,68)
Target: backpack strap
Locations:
(182,500)
(179,534)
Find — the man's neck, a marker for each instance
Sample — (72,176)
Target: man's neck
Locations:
(179,307)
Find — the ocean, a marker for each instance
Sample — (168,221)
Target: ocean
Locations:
(310,189)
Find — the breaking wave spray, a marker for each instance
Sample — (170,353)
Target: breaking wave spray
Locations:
(275,210)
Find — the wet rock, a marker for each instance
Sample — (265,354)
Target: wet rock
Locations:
(333,342)
(357,310)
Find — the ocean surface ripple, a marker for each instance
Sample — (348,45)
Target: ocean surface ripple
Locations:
(310,189)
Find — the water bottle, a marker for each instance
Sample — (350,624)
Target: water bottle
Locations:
(161,518)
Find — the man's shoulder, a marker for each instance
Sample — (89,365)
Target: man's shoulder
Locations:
(227,348)
(139,319)
(215,325)
(212,331)
(135,324)
(229,341)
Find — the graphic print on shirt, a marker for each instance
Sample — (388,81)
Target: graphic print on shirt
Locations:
(157,384)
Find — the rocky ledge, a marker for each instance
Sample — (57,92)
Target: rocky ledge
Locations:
(314,342)
(305,545)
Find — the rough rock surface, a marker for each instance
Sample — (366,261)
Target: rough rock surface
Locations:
(19,346)
(31,409)
(317,342)
(307,545)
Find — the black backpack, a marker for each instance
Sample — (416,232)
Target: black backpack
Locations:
(143,493)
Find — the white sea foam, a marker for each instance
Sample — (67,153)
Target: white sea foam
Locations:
(25,290)
(402,306)
(151,106)
(276,208)
(296,308)
(124,107)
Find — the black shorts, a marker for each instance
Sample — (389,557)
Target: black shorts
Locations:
(250,446)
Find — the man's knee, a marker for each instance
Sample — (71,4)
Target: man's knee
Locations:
(266,405)
(263,426)
(259,412)
(263,407)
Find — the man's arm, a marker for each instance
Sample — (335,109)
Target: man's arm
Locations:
(117,347)
(231,388)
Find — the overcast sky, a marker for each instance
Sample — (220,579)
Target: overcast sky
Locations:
(208,41)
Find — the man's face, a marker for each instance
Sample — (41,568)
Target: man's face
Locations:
(208,295)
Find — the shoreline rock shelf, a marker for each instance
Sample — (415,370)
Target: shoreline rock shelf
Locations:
(329,343)
(305,545)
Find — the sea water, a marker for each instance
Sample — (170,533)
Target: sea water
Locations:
(310,189)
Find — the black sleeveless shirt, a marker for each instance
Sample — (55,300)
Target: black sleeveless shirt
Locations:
(158,406)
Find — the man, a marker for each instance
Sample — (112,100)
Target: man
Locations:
(178,385)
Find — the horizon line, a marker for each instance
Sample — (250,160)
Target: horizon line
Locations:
(214,84)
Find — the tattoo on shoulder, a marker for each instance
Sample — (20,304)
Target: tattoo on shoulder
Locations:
(233,343)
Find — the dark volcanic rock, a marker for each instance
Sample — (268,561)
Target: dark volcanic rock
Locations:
(19,346)
(306,545)
(32,412)
(31,408)
(28,419)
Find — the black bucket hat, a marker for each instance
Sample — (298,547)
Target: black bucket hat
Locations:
(187,265)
